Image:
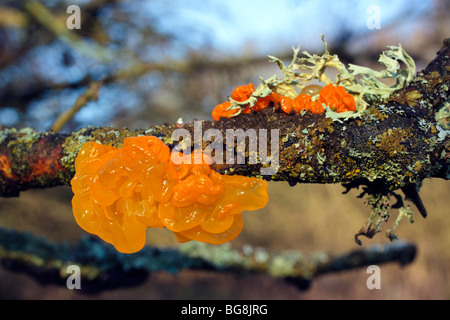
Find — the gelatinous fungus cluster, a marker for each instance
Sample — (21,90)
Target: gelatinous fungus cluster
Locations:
(120,192)
(312,98)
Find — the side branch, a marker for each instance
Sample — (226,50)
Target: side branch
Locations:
(104,268)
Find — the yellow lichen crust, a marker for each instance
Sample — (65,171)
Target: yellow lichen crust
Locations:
(120,192)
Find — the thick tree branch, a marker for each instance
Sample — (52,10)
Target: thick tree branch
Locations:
(391,145)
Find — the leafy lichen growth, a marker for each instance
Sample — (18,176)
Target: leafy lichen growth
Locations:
(362,82)
(380,203)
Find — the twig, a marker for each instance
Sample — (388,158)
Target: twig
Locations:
(54,25)
(91,94)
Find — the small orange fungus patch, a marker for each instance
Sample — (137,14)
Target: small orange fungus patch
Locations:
(221,111)
(5,167)
(335,97)
(120,192)
(242,93)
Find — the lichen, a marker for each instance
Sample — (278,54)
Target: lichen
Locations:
(72,146)
(341,116)
(443,116)
(362,82)
(380,203)
(4,133)
(391,141)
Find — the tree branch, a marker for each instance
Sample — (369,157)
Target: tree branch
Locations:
(102,267)
(389,146)
(90,94)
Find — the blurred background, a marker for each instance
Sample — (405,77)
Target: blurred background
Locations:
(162,60)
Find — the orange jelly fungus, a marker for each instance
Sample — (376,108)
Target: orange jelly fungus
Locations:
(221,111)
(335,97)
(120,192)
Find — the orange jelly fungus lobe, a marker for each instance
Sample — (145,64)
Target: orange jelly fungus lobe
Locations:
(120,192)
(242,93)
(335,97)
(304,102)
(221,111)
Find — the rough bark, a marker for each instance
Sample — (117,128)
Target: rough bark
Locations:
(391,145)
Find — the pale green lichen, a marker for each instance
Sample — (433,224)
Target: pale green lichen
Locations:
(442,135)
(443,116)
(372,89)
(24,136)
(362,82)
(27,135)
(341,116)
(403,212)
(72,146)
(283,265)
(367,88)
(5,133)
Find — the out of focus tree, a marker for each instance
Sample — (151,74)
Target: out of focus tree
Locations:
(157,60)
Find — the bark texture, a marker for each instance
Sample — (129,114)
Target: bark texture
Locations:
(390,145)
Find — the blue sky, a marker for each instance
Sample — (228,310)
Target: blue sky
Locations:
(264,24)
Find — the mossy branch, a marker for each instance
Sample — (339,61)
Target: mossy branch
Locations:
(102,267)
(394,144)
